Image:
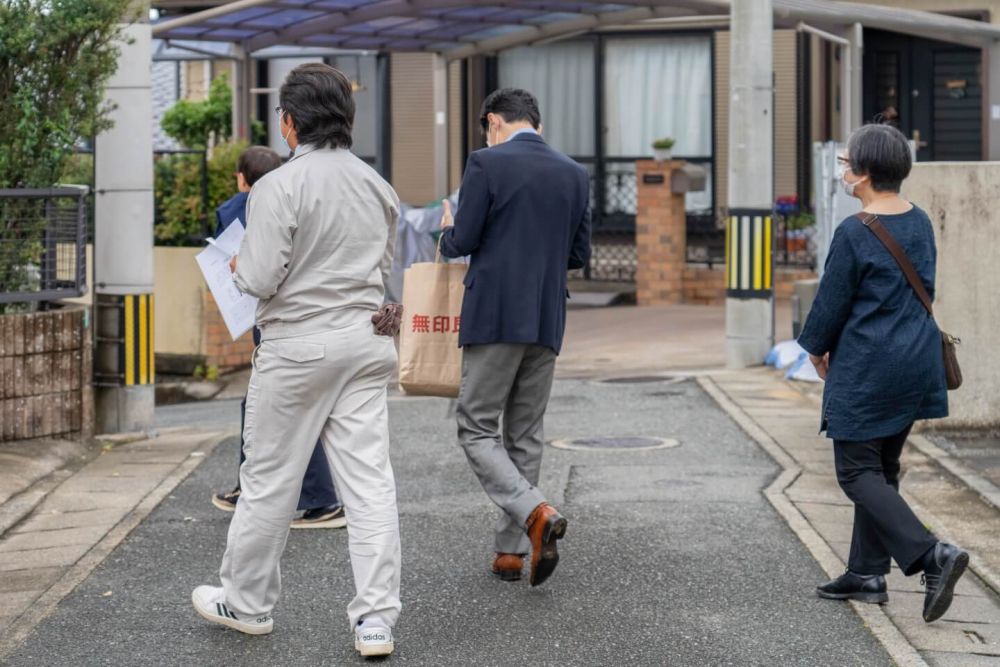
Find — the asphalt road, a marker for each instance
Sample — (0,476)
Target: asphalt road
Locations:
(673,557)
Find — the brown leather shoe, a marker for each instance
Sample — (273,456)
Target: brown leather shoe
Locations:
(545,526)
(507,567)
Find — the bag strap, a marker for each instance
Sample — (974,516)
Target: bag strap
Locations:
(871,221)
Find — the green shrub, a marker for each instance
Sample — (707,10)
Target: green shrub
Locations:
(56,57)
(182,216)
(201,124)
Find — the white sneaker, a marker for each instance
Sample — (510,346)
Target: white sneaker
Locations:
(210,603)
(373,641)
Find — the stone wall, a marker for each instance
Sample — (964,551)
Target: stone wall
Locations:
(45,375)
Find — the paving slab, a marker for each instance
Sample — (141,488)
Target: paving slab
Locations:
(52,538)
(53,519)
(45,555)
(937,659)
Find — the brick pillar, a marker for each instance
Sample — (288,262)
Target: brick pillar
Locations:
(660,235)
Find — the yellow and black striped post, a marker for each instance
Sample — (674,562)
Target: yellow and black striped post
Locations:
(137,358)
(750,254)
(125,354)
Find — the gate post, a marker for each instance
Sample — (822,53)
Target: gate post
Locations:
(660,234)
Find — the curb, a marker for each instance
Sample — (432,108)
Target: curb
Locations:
(896,645)
(15,634)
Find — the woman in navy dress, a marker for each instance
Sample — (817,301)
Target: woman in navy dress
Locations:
(879,351)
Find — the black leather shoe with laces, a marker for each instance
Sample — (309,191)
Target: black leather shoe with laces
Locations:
(946,565)
(870,588)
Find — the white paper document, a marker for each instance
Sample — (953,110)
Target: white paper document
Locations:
(239,311)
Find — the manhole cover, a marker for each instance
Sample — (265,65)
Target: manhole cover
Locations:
(630,443)
(641,379)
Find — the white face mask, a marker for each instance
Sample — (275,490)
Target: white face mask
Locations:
(848,186)
(284,137)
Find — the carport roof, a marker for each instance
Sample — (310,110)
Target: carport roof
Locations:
(460,28)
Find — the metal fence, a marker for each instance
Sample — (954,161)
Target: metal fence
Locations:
(43,237)
(614,197)
(614,200)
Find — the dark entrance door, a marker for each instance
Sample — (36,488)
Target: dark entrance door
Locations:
(930,90)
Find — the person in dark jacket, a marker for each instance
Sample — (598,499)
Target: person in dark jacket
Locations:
(318,501)
(879,351)
(523,219)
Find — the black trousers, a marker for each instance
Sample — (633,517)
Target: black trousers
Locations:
(884,525)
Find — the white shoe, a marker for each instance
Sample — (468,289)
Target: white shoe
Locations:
(373,641)
(210,603)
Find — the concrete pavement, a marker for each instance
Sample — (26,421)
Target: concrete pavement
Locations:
(668,559)
(81,519)
(628,340)
(673,557)
(785,421)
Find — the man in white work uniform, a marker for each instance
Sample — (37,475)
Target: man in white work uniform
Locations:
(317,253)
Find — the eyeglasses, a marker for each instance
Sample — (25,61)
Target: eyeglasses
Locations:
(278,110)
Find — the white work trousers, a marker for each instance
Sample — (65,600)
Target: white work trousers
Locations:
(330,385)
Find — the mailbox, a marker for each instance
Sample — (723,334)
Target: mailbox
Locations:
(689,178)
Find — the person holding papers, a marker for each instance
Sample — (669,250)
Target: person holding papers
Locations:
(318,500)
(523,220)
(317,253)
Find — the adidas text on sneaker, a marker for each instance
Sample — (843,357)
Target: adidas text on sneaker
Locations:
(210,604)
(373,641)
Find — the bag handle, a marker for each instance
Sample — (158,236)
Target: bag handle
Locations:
(871,221)
(437,250)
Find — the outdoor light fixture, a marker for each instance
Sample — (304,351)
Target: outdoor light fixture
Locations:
(356,85)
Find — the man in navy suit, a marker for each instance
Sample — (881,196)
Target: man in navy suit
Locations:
(318,500)
(523,219)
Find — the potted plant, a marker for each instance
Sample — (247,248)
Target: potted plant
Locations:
(661,149)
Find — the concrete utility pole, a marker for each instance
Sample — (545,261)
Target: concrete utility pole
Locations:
(749,231)
(123,254)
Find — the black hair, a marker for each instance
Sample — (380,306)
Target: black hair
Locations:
(321,103)
(513,105)
(256,161)
(882,153)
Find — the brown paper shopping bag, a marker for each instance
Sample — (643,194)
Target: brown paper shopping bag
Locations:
(430,361)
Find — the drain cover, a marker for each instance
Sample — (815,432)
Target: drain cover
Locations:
(640,379)
(632,443)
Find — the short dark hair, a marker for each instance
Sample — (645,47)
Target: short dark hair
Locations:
(513,105)
(256,161)
(882,153)
(320,101)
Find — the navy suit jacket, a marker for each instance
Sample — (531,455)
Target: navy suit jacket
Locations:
(523,217)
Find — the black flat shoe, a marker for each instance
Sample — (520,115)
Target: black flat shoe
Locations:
(870,588)
(947,566)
